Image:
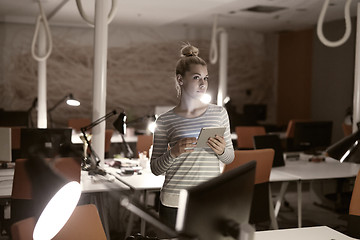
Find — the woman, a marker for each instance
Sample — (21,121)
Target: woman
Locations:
(174,149)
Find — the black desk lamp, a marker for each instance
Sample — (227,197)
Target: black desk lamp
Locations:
(92,164)
(70,100)
(347,149)
(120,125)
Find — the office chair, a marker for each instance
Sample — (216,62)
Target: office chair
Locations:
(84,224)
(108,135)
(22,205)
(245,136)
(262,208)
(354,210)
(290,132)
(144,143)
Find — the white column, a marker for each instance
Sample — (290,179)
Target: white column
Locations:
(356,103)
(223,62)
(99,81)
(42,106)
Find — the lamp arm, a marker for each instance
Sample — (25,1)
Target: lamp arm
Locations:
(58,103)
(128,148)
(98,121)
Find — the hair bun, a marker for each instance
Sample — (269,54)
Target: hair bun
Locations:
(189,51)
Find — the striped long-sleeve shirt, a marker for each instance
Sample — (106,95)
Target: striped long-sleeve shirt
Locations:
(188,169)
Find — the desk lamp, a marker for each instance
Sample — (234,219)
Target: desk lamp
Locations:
(70,100)
(58,195)
(121,123)
(347,149)
(92,164)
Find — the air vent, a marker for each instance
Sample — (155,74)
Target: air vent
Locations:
(264,9)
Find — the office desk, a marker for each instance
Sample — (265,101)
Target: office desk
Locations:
(302,170)
(141,184)
(308,233)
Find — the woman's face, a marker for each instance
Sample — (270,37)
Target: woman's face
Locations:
(195,81)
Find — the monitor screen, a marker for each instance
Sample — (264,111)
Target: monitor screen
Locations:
(47,140)
(271,141)
(5,145)
(206,211)
(14,118)
(312,136)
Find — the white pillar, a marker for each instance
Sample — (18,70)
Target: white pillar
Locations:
(223,62)
(42,106)
(356,103)
(99,80)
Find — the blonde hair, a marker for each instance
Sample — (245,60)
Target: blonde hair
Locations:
(188,56)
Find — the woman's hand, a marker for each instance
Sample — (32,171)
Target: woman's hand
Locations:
(184,145)
(217,144)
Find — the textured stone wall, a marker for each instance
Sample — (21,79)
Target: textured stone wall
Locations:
(140,71)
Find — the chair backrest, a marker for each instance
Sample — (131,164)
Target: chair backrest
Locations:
(354,208)
(264,160)
(84,224)
(23,229)
(108,135)
(354,211)
(144,143)
(15,137)
(261,206)
(78,123)
(245,135)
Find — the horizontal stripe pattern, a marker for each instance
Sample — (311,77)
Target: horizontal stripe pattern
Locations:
(193,168)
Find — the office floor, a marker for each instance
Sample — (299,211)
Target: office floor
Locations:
(313,214)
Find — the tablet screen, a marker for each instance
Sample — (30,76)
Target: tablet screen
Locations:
(208,132)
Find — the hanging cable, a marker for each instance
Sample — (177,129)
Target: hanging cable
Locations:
(88,20)
(347,25)
(41,19)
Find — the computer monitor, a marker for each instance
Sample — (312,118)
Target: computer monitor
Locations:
(271,141)
(5,145)
(312,136)
(208,211)
(47,140)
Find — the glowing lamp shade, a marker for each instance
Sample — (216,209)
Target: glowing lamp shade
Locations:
(57,211)
(73,102)
(152,126)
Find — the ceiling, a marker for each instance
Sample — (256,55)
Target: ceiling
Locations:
(290,15)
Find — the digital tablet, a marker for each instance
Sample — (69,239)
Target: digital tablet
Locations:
(208,132)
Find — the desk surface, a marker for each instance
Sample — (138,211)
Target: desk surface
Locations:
(292,171)
(88,183)
(305,170)
(308,233)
